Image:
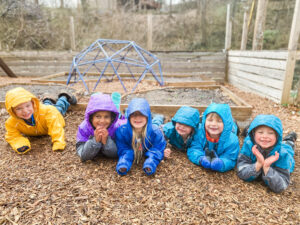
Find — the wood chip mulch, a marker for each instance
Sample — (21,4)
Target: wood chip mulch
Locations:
(45,187)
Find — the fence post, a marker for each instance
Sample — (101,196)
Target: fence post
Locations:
(72,33)
(149,31)
(292,55)
(228,29)
(259,27)
(245,32)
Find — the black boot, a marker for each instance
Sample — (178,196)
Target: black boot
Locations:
(292,136)
(245,131)
(70,98)
(48,97)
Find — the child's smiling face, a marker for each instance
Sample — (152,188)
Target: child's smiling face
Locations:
(183,130)
(24,110)
(214,125)
(101,119)
(265,136)
(138,120)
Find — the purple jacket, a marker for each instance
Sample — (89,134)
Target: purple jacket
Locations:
(98,102)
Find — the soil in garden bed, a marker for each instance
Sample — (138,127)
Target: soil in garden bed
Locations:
(181,96)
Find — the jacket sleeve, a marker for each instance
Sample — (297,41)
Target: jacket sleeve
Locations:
(246,168)
(156,153)
(14,137)
(277,179)
(196,151)
(168,129)
(88,150)
(125,151)
(55,123)
(230,154)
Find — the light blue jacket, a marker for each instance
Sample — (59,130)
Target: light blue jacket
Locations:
(226,149)
(185,115)
(278,175)
(153,145)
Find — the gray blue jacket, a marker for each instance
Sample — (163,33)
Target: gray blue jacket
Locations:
(153,145)
(185,115)
(86,146)
(226,149)
(278,176)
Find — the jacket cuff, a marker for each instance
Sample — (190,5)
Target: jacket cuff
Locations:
(58,146)
(152,168)
(119,166)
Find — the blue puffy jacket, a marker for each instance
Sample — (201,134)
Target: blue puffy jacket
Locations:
(278,175)
(226,149)
(185,115)
(153,145)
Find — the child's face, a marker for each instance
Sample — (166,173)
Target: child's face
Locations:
(24,110)
(265,136)
(182,129)
(138,120)
(101,119)
(214,125)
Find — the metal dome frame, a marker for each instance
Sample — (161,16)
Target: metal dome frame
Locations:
(105,51)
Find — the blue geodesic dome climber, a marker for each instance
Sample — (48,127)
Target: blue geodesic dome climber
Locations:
(108,58)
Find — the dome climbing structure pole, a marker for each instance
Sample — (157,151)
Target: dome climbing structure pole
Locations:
(108,58)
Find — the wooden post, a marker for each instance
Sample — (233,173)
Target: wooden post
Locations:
(6,69)
(228,29)
(245,32)
(72,33)
(259,26)
(292,55)
(149,33)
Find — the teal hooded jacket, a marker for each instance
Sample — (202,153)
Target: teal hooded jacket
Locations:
(278,175)
(227,148)
(185,115)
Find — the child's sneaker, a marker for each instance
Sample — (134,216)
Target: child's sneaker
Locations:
(70,98)
(292,136)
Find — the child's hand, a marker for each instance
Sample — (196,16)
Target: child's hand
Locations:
(167,153)
(217,164)
(205,162)
(259,157)
(271,159)
(98,134)
(104,135)
(122,170)
(147,170)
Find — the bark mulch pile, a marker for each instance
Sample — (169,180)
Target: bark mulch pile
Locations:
(45,187)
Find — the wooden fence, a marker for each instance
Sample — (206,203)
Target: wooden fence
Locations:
(261,72)
(42,63)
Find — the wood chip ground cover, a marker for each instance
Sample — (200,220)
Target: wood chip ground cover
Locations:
(45,187)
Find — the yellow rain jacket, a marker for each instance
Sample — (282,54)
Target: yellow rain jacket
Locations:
(48,121)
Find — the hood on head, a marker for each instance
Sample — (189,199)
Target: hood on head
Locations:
(188,116)
(18,96)
(101,102)
(141,105)
(266,120)
(224,111)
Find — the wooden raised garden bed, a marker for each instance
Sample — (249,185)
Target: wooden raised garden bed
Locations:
(169,79)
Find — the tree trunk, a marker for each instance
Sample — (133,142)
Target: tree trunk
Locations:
(62,4)
(170,8)
(201,11)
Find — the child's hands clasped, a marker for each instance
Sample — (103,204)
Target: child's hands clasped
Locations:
(262,162)
(101,135)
